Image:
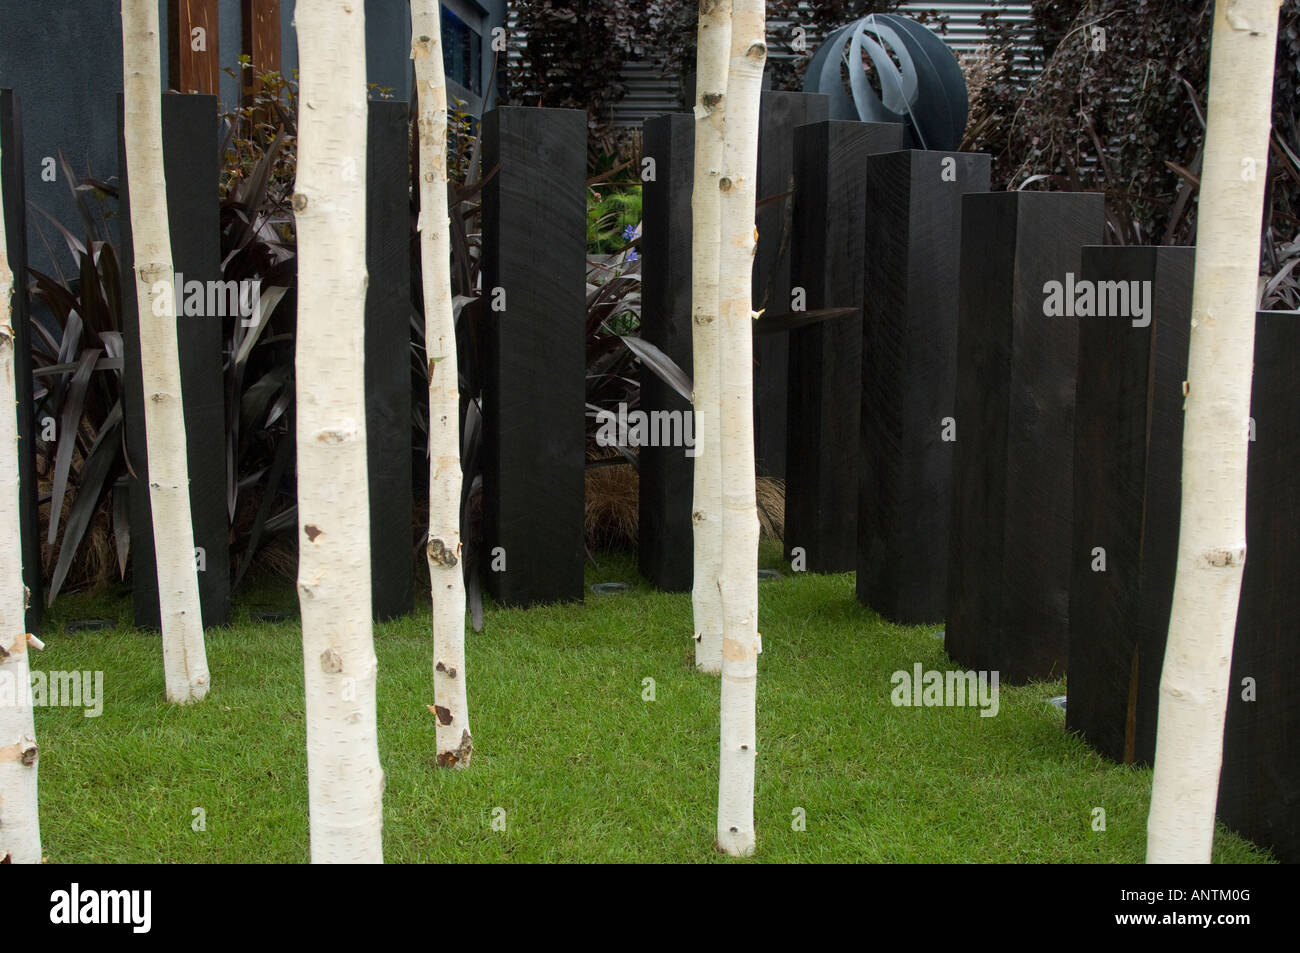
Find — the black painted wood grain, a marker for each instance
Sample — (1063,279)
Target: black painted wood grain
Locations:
(909,373)
(779,114)
(15,224)
(825,359)
(387,350)
(1011,540)
(1127,465)
(1259,785)
(664,535)
(534,241)
(191,170)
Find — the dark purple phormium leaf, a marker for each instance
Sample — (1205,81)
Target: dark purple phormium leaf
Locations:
(789,320)
(69,427)
(94,481)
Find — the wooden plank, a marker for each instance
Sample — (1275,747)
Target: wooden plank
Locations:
(1260,778)
(779,114)
(825,359)
(260,26)
(1127,453)
(534,242)
(190,168)
(1011,540)
(664,529)
(193,54)
(387,348)
(909,374)
(15,224)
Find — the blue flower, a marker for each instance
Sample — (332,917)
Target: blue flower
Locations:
(631,254)
(629,233)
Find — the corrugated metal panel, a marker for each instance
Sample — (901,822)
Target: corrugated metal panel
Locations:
(651,91)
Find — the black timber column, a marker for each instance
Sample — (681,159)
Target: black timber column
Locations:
(664,534)
(909,377)
(191,169)
(779,114)
(1260,779)
(1128,429)
(825,365)
(1013,479)
(388,344)
(534,248)
(15,226)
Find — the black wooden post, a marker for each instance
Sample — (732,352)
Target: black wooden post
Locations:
(825,362)
(191,171)
(1011,543)
(1261,752)
(387,343)
(664,536)
(909,377)
(779,114)
(1128,430)
(534,246)
(15,225)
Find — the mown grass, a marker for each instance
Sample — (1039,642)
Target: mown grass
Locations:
(584,768)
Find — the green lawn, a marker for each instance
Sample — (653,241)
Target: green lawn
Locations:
(584,768)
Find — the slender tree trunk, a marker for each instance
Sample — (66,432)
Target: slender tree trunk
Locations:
(345,781)
(713,52)
(1212,535)
(443,550)
(20,829)
(741,643)
(185,661)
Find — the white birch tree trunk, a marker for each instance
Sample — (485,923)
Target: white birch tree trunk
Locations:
(185,662)
(443,549)
(713,53)
(738,583)
(345,781)
(1194,681)
(20,829)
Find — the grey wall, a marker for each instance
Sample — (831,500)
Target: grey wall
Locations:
(63,58)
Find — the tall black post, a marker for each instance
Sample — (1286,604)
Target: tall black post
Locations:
(664,537)
(15,225)
(534,246)
(825,363)
(388,343)
(1011,540)
(192,172)
(1261,749)
(1128,430)
(909,377)
(779,114)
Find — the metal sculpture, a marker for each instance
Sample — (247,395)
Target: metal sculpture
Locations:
(921,84)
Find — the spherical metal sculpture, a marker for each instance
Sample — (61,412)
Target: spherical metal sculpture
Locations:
(921,84)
